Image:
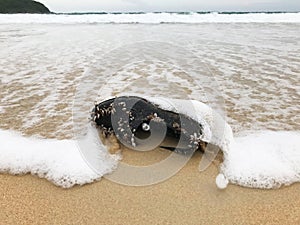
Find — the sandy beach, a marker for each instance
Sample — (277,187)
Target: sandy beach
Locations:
(190,197)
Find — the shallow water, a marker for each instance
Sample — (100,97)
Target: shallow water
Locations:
(255,66)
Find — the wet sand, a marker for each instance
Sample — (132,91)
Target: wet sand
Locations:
(190,197)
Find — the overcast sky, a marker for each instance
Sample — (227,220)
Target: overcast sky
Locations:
(170,5)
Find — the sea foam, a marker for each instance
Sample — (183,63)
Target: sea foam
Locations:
(263,159)
(256,159)
(151,18)
(59,161)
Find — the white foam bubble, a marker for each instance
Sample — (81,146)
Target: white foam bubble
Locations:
(264,159)
(59,161)
(151,18)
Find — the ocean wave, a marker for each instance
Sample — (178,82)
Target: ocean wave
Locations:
(59,161)
(261,159)
(151,18)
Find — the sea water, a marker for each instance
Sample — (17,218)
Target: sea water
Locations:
(53,68)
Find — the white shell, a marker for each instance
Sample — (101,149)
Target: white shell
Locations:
(221,181)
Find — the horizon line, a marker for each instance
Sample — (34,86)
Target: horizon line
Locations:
(183,12)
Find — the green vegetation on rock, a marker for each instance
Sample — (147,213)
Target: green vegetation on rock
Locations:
(22,6)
